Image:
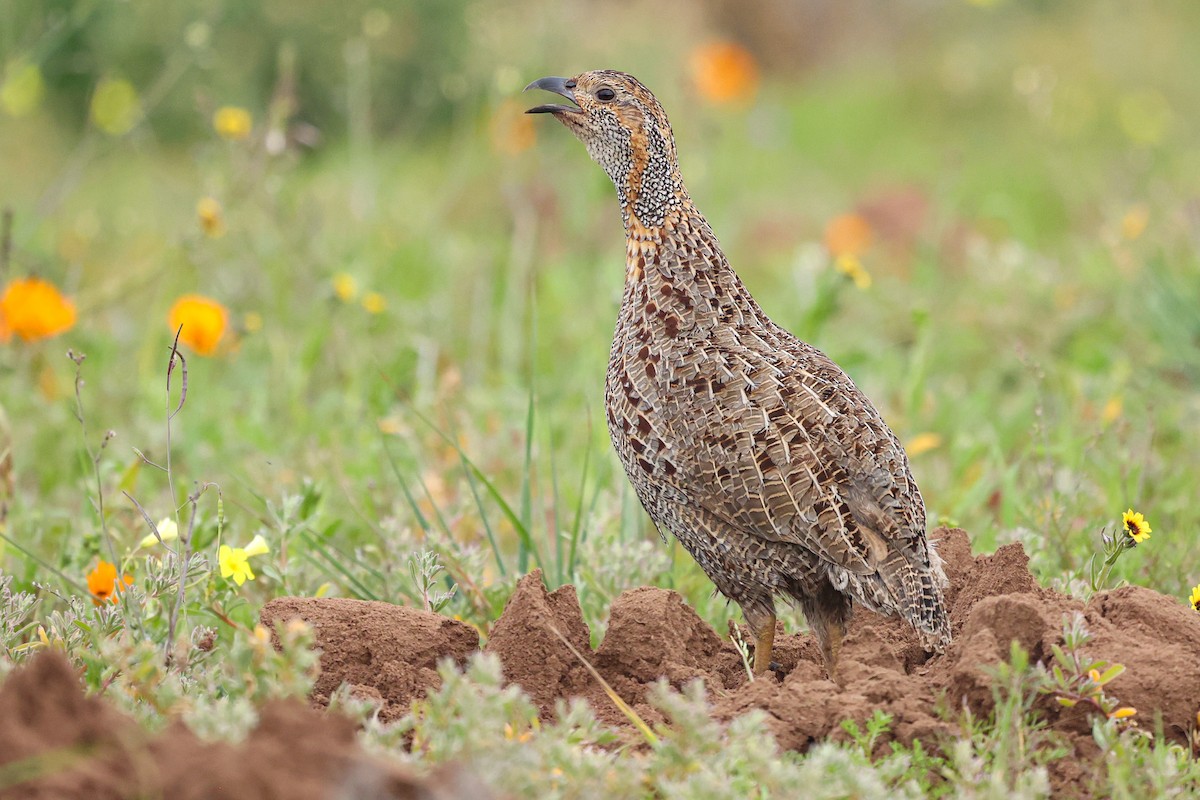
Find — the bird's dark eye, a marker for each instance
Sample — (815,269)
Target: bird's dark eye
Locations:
(604,93)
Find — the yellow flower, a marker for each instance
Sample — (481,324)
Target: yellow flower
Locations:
(510,733)
(1133,224)
(208,211)
(1136,526)
(1194,600)
(22,88)
(232,123)
(34,309)
(102,583)
(204,321)
(48,383)
(723,72)
(167,530)
(235,561)
(1125,712)
(392,425)
(852,268)
(345,286)
(252,322)
(848,235)
(923,443)
(1145,116)
(1112,409)
(116,107)
(374,303)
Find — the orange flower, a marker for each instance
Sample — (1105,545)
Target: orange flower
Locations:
(724,71)
(204,322)
(34,309)
(102,583)
(511,129)
(847,235)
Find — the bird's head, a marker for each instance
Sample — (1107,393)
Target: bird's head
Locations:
(626,132)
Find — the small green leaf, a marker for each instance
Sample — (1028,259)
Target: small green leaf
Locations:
(1060,656)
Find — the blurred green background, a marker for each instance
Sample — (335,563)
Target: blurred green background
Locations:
(1028,172)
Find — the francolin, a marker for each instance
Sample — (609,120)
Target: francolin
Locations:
(752,447)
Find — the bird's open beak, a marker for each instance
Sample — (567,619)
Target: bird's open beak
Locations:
(561,86)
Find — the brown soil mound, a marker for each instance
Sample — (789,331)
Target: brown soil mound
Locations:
(385,652)
(528,640)
(55,742)
(653,635)
(993,601)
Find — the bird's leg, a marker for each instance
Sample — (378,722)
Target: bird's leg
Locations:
(827,613)
(764,643)
(762,625)
(830,639)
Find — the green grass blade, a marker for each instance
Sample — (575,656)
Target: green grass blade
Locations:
(74,584)
(577,524)
(527,485)
(522,531)
(412,501)
(483,516)
(556,530)
(336,564)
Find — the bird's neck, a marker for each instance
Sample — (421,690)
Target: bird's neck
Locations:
(677,280)
(652,190)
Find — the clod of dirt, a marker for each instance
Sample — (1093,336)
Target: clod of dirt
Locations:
(954,548)
(379,649)
(986,637)
(653,634)
(60,744)
(532,653)
(1158,640)
(1004,572)
(43,711)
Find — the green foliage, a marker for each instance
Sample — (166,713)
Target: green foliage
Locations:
(474,718)
(1013,746)
(1141,766)
(1078,678)
(234,49)
(423,568)
(879,724)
